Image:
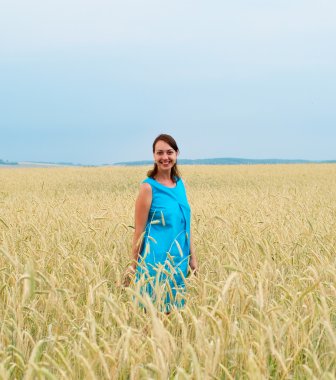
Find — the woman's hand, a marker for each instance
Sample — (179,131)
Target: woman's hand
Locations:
(193,264)
(128,275)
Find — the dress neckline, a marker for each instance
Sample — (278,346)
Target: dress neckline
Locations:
(166,187)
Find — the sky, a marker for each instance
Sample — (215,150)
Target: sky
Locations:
(94,82)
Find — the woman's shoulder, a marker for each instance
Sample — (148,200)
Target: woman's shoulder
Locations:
(145,190)
(180,181)
(146,185)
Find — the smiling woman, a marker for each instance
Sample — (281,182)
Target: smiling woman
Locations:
(162,246)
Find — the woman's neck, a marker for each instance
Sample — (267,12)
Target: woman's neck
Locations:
(163,176)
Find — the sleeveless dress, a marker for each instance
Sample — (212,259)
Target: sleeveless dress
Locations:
(164,258)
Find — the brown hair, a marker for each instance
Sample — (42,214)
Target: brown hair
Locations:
(175,173)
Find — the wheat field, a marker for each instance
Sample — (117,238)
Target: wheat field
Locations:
(262,306)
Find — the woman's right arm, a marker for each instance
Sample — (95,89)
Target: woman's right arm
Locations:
(142,207)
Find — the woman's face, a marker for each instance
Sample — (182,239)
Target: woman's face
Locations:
(164,155)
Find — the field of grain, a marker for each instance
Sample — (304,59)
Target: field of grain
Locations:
(262,306)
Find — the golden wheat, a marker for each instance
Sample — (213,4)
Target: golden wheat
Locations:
(262,306)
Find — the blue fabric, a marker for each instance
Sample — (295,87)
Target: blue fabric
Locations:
(164,257)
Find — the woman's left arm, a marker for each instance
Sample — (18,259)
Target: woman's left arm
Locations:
(192,259)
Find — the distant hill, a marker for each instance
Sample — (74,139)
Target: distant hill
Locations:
(48,163)
(227,161)
(2,162)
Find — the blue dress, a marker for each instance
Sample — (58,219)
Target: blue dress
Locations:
(164,257)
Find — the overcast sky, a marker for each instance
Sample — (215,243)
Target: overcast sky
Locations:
(96,81)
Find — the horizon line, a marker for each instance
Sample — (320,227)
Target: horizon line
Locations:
(181,161)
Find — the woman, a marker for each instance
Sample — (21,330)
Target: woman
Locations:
(162,247)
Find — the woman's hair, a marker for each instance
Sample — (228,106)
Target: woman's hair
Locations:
(174,174)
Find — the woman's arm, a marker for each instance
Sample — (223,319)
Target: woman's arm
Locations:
(142,207)
(192,259)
